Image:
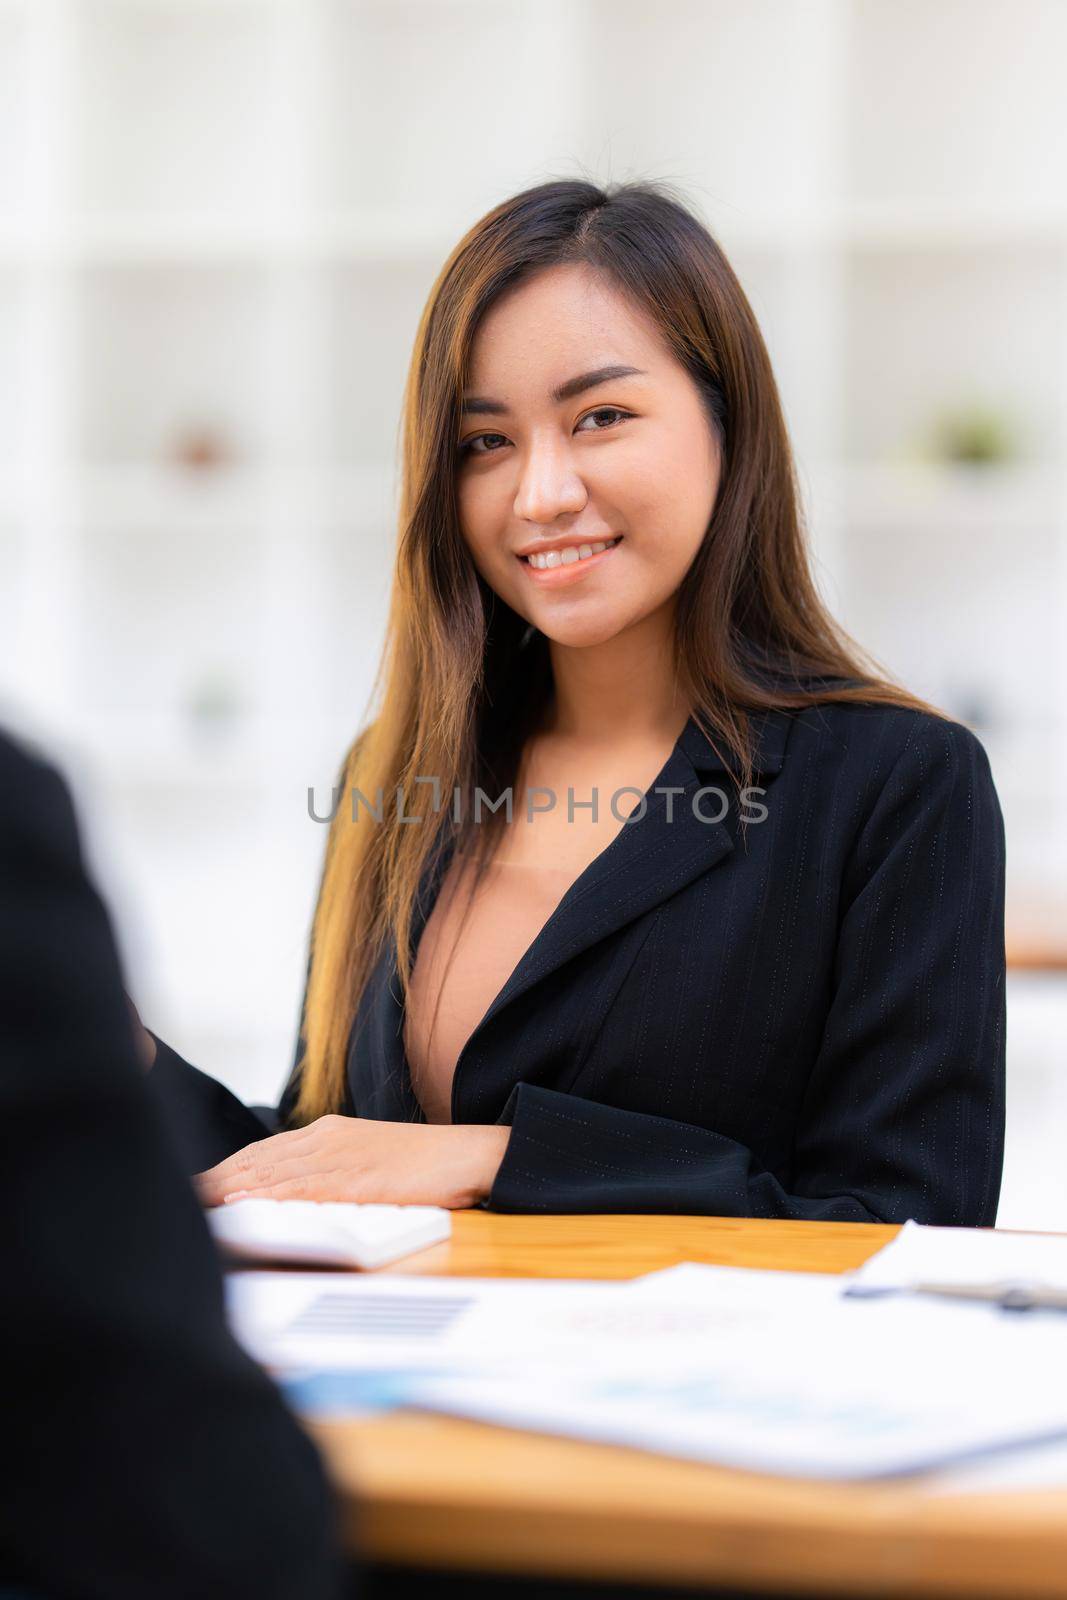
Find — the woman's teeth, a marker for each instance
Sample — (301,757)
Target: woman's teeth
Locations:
(566,558)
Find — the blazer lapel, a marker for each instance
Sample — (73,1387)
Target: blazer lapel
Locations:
(650,859)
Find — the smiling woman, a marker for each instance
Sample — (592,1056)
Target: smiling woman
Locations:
(790,1009)
(586,461)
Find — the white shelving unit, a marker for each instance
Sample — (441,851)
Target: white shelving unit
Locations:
(219,220)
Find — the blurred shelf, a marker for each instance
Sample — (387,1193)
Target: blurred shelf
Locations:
(1035,935)
(161,752)
(423,232)
(1027,950)
(138,496)
(18,246)
(12,495)
(131,239)
(879,225)
(1018,746)
(198,238)
(367,494)
(148,495)
(168,752)
(886,494)
(411,234)
(198,8)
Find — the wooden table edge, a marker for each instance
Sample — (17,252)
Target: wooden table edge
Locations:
(434,1492)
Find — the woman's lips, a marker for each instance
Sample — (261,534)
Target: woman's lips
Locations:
(566,572)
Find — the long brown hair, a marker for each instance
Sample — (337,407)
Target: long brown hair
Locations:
(751,631)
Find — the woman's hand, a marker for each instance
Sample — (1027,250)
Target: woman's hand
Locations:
(353,1158)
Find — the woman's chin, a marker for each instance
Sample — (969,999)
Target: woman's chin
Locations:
(581,633)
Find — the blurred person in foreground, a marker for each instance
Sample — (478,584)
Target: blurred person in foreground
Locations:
(146,1457)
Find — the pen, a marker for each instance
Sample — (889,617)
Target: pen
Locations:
(1009,1296)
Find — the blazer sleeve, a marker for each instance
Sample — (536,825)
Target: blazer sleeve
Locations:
(207,1122)
(147,1457)
(903,1112)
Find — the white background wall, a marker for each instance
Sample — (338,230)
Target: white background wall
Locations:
(222,217)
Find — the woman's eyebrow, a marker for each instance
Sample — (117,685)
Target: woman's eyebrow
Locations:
(566,391)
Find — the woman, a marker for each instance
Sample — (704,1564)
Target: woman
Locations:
(765,975)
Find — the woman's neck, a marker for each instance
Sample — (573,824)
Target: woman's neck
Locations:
(615,692)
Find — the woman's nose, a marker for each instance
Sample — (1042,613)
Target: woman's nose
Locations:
(549,486)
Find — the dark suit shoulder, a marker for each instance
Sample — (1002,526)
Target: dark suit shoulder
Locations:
(35,802)
(20,758)
(114,1281)
(869,733)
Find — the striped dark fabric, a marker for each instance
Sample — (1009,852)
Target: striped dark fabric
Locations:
(146,1456)
(803,1017)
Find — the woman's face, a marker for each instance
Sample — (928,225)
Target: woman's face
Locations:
(550,459)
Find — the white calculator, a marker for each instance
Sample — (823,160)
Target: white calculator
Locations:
(326,1232)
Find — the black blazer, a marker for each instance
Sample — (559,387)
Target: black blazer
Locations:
(145,1457)
(802,1020)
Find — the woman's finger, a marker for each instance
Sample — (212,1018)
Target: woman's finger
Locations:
(308,1185)
(245,1161)
(261,1177)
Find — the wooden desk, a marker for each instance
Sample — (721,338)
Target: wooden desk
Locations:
(1035,934)
(422,1491)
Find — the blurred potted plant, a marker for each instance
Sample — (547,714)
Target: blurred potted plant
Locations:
(214,708)
(201,447)
(977,434)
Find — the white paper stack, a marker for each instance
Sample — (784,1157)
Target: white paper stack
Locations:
(1018,1268)
(774,1372)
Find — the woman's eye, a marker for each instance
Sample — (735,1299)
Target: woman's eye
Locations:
(470,446)
(467,447)
(601,411)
